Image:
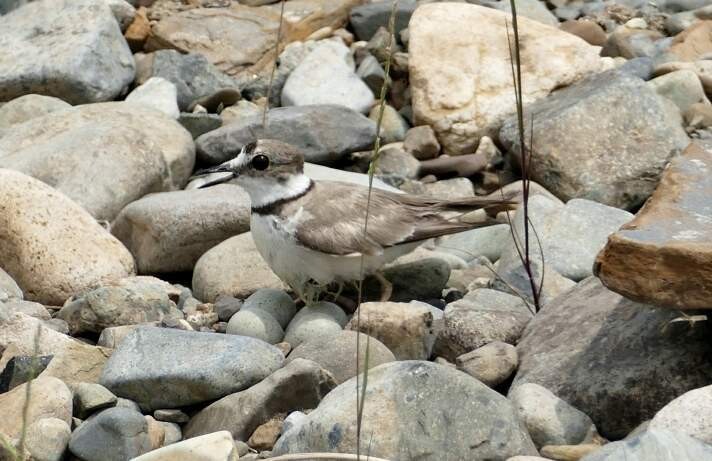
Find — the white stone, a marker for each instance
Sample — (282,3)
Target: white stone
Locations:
(217,446)
(157,93)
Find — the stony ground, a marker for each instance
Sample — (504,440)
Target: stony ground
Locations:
(156,330)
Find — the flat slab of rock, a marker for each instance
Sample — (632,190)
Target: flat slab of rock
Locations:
(169,231)
(217,446)
(50,245)
(134,151)
(414,410)
(461,75)
(324,133)
(616,360)
(664,255)
(240,38)
(165,368)
(620,168)
(71,49)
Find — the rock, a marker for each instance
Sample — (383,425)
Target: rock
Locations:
(318,320)
(49,398)
(157,93)
(217,446)
(220,34)
(172,433)
(199,123)
(532,9)
(481,317)
(219,272)
(336,353)
(629,43)
(372,73)
(35,310)
(8,288)
(394,162)
(327,76)
(53,260)
(144,368)
(266,435)
(421,142)
(402,399)
(393,125)
(134,151)
(450,189)
(491,364)
(138,31)
(277,303)
(47,439)
(90,398)
(300,384)
(324,133)
(324,173)
(488,241)
(111,337)
(618,169)
(256,323)
(81,58)
(569,452)
(123,12)
(405,329)
(27,107)
(112,435)
(587,30)
(638,342)
(688,414)
(417,279)
(170,231)
(156,433)
(692,44)
(193,76)
(671,232)
(654,445)
(171,416)
(127,301)
(366,19)
(550,420)
(699,115)
(226,307)
(20,369)
(681,87)
(464,102)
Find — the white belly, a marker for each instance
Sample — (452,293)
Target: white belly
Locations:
(296,265)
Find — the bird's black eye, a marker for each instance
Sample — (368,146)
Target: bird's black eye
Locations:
(260,162)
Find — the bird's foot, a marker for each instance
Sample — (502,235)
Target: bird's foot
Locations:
(386,286)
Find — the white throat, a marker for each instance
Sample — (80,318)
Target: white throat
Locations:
(266,190)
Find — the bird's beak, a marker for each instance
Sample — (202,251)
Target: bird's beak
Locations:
(218,174)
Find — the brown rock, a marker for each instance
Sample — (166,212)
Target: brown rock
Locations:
(569,452)
(587,30)
(139,30)
(664,255)
(699,115)
(156,432)
(421,142)
(459,165)
(631,43)
(703,69)
(241,38)
(266,435)
(693,43)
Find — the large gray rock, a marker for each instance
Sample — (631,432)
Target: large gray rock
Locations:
(654,445)
(327,76)
(301,384)
(71,49)
(481,317)
(487,241)
(606,139)
(133,151)
(165,368)
(324,133)
(414,410)
(191,73)
(366,19)
(128,301)
(116,434)
(602,353)
(27,107)
(169,231)
(690,414)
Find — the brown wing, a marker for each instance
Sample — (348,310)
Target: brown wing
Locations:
(334,216)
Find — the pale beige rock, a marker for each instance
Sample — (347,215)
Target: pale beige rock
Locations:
(217,446)
(50,245)
(49,398)
(240,39)
(689,414)
(461,78)
(234,267)
(47,439)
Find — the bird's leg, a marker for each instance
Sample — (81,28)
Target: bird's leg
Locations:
(386,286)
(337,293)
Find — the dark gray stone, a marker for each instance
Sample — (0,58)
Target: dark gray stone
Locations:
(116,434)
(639,67)
(324,133)
(21,369)
(165,368)
(414,410)
(366,19)
(607,139)
(616,360)
(654,445)
(423,279)
(199,123)
(192,74)
(71,49)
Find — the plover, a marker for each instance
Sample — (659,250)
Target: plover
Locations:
(311,233)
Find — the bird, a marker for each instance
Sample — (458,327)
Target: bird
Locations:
(313,234)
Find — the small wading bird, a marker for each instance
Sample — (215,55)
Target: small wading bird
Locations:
(311,233)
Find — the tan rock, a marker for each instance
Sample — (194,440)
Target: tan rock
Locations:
(702,68)
(217,446)
(266,434)
(241,38)
(693,43)
(156,432)
(234,267)
(461,75)
(139,30)
(568,452)
(49,398)
(50,245)
(587,30)
(664,255)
